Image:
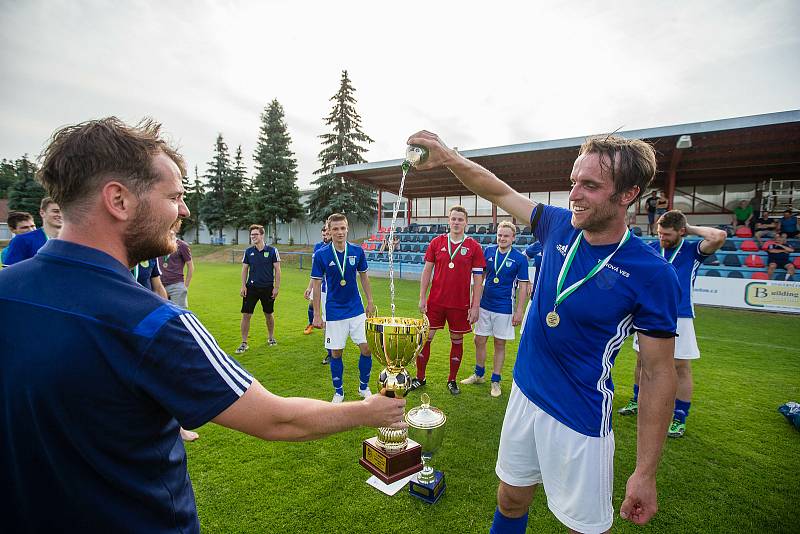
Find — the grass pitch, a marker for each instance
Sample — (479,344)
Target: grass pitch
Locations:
(736,470)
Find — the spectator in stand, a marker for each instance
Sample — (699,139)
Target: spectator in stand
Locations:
(19,222)
(778,257)
(651,204)
(788,224)
(765,227)
(172,267)
(663,203)
(742,215)
(385,244)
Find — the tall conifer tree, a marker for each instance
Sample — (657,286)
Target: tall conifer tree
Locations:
(343,146)
(8,175)
(26,193)
(237,196)
(193,198)
(212,207)
(275,195)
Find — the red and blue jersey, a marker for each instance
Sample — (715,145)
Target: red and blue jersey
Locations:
(566,370)
(498,296)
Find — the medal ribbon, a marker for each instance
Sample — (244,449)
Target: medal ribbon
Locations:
(562,276)
(339,264)
(674,254)
(502,263)
(453,254)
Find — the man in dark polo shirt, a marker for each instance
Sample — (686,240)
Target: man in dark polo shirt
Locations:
(97,373)
(261,280)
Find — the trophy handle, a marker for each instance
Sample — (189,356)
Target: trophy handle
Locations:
(373,314)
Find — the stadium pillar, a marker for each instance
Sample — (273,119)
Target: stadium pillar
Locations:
(408,211)
(380,209)
(677,154)
(494,215)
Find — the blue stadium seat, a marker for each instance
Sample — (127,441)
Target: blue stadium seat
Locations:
(711,260)
(729,246)
(732,260)
(712,272)
(735,274)
(471,229)
(526,230)
(481,230)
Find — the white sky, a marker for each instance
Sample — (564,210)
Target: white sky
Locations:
(478,73)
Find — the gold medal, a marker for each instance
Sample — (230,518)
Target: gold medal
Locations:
(343,283)
(496,280)
(552,319)
(451,265)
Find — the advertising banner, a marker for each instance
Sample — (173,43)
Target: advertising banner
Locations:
(766,295)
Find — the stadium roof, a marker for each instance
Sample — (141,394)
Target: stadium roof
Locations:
(738,150)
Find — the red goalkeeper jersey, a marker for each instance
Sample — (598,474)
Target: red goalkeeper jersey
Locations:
(451,286)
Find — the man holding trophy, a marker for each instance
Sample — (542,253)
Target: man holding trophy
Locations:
(598,285)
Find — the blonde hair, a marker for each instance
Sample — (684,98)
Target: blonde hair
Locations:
(507,224)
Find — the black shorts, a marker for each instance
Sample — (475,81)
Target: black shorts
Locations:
(254,294)
(781,259)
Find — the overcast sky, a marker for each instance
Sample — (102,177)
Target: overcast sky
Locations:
(478,73)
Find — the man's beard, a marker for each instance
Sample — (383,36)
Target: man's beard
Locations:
(146,239)
(599,220)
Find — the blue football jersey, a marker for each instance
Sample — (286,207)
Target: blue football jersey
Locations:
(688,259)
(342,301)
(534,252)
(317,246)
(499,297)
(566,370)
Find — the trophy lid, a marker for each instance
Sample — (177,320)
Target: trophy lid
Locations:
(425,416)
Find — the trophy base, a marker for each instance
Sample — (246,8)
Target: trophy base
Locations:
(389,467)
(430,493)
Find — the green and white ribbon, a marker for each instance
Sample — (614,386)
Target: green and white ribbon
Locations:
(674,254)
(453,253)
(340,265)
(562,276)
(502,263)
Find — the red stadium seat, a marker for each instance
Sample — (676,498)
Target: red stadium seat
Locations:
(754,261)
(767,244)
(744,231)
(760,275)
(797,262)
(749,246)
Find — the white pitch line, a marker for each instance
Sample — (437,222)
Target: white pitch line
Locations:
(742,342)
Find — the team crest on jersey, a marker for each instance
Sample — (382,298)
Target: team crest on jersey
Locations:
(562,249)
(464,251)
(509,263)
(352,260)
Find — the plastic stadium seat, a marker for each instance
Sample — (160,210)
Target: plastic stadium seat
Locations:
(797,262)
(729,246)
(711,260)
(744,231)
(713,272)
(526,230)
(749,246)
(471,229)
(760,275)
(637,231)
(735,274)
(732,260)
(754,261)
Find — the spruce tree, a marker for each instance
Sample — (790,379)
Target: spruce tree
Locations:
(212,207)
(193,197)
(343,146)
(26,193)
(275,194)
(237,193)
(8,175)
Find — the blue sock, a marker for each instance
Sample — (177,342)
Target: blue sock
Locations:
(310,315)
(507,525)
(329,353)
(636,392)
(480,371)
(681,410)
(495,377)
(337,370)
(364,368)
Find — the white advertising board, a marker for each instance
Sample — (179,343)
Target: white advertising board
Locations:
(757,295)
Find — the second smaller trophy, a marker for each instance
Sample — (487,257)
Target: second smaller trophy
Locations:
(426,427)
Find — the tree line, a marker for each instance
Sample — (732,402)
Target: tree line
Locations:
(225,196)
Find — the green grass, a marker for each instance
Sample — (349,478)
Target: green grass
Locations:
(736,470)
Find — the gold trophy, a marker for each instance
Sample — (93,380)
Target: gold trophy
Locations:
(426,426)
(395,342)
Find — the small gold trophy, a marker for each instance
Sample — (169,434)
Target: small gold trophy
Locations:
(426,426)
(395,342)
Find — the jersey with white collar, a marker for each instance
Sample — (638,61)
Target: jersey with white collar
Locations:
(499,297)
(342,301)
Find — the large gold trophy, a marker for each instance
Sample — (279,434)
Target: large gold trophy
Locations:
(395,342)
